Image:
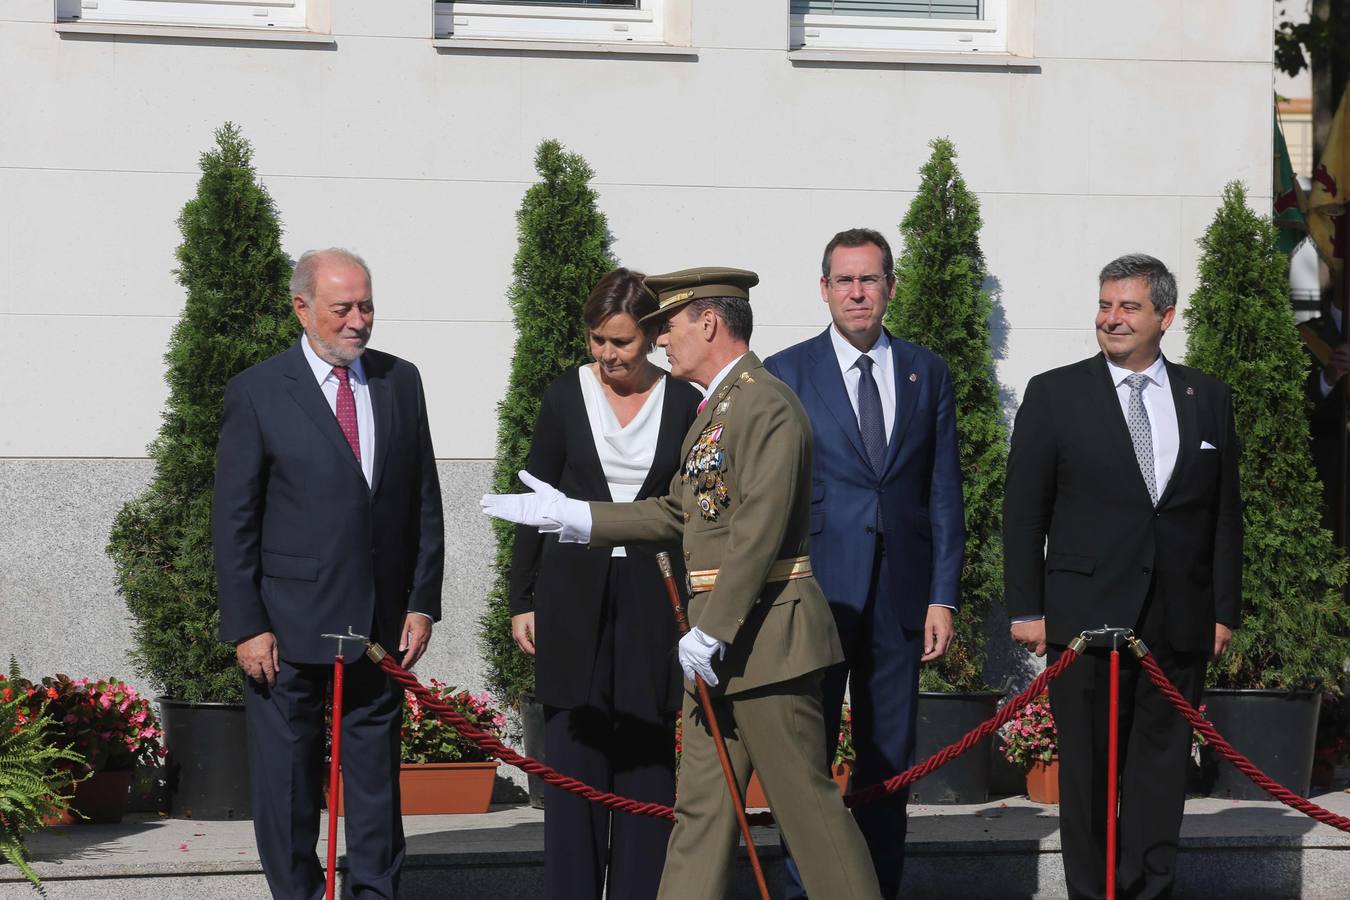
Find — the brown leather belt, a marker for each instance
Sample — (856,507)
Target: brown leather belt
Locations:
(783,570)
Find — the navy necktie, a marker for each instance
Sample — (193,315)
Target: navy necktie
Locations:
(871,422)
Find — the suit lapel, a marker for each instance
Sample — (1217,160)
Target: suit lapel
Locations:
(309,397)
(906,396)
(828,383)
(382,405)
(1116,431)
(1188,431)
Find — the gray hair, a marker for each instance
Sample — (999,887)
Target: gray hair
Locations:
(1162,287)
(734,311)
(302,279)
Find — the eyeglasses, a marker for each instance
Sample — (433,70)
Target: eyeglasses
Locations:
(868,282)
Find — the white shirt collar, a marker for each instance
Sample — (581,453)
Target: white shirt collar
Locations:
(324,370)
(712,385)
(1157,372)
(848,354)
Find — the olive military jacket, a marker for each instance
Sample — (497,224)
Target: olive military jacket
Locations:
(740,502)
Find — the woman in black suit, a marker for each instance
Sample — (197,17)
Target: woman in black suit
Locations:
(598,622)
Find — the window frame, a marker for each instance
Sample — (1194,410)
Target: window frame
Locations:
(646,24)
(283,15)
(823,31)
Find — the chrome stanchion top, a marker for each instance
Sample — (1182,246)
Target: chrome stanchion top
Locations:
(351,635)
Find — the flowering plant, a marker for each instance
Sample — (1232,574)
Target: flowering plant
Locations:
(426,739)
(107,721)
(1029,737)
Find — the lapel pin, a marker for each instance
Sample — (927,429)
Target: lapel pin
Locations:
(913,376)
(1190,392)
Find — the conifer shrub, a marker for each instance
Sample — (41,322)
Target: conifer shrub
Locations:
(1294,622)
(237,313)
(941,304)
(563,251)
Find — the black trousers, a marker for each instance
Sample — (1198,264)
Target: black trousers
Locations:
(621,740)
(1154,746)
(285,741)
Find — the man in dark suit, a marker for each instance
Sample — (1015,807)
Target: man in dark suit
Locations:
(327,514)
(887,526)
(1325,387)
(1122,509)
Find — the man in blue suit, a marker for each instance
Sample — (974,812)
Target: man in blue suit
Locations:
(887,526)
(327,514)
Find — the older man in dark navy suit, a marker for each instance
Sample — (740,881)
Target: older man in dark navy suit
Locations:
(887,523)
(327,514)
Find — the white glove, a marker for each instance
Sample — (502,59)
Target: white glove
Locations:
(545,508)
(696,655)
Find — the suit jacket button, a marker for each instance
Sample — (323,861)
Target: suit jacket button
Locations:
(687,554)
(1146,570)
(869,529)
(686,517)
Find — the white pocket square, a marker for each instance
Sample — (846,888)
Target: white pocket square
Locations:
(1206,445)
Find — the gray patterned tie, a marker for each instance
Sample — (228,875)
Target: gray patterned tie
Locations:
(1141,433)
(871,423)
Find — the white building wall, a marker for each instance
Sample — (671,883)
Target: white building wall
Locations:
(1118,138)
(1121,140)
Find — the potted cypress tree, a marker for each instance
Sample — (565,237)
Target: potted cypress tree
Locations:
(563,251)
(1264,693)
(237,313)
(941,304)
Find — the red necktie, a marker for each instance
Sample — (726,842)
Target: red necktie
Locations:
(346,410)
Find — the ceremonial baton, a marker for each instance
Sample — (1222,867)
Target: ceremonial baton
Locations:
(335,764)
(705,700)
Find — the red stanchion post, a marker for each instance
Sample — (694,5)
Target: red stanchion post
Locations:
(335,763)
(334,772)
(1112,774)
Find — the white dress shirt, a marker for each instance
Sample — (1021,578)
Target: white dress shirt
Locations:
(1162,415)
(883,372)
(626,451)
(365,413)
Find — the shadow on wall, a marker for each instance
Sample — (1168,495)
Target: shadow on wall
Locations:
(998,345)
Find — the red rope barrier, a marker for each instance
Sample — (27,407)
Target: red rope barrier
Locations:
(1240,762)
(485,741)
(494,747)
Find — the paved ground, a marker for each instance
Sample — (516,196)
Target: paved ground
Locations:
(1015,843)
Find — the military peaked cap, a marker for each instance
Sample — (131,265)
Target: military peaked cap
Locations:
(675,289)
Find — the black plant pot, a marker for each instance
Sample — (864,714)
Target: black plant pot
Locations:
(943,719)
(532,722)
(1276,730)
(207,765)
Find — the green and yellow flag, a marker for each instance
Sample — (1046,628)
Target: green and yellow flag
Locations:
(1329,199)
(1289,201)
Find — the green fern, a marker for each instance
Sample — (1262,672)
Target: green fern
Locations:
(32,775)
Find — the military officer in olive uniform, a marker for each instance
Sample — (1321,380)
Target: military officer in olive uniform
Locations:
(762,632)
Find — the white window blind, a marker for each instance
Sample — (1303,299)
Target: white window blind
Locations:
(900,9)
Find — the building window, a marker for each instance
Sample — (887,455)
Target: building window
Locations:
(943,26)
(287,14)
(608,21)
